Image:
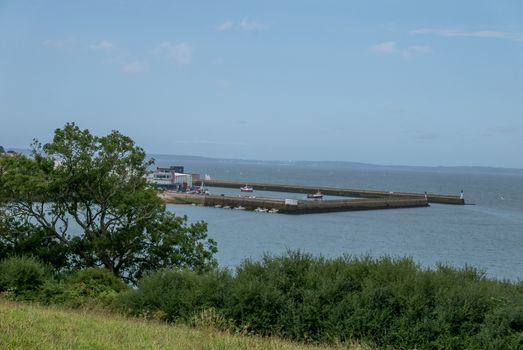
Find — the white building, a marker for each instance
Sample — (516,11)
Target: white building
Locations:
(170,178)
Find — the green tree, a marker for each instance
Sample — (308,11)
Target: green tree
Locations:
(89,195)
(2,150)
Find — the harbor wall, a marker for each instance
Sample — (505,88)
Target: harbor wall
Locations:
(302,206)
(333,191)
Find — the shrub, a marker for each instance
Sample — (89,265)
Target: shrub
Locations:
(93,287)
(386,302)
(94,281)
(174,295)
(22,275)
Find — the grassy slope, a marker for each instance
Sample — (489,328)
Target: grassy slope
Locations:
(24,326)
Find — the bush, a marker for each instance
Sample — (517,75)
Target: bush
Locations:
(173,295)
(22,275)
(94,287)
(94,281)
(386,302)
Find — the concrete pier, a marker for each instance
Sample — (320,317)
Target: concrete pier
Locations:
(298,207)
(333,191)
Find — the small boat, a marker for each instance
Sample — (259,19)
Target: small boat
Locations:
(239,208)
(246,188)
(317,195)
(218,206)
(273,211)
(261,210)
(202,189)
(226,207)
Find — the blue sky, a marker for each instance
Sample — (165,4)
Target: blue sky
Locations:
(386,82)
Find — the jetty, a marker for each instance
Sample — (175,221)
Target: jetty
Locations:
(291,206)
(341,192)
(355,199)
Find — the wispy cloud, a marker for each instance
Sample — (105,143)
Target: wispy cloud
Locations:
(135,68)
(452,32)
(385,47)
(392,47)
(180,53)
(251,25)
(103,45)
(225,26)
(58,43)
(246,24)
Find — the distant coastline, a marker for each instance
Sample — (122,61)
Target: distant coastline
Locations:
(479,169)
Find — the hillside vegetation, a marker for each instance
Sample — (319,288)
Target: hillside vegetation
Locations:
(386,302)
(25,326)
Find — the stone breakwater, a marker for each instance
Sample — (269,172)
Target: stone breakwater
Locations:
(342,192)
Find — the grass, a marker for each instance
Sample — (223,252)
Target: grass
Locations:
(28,326)
(181,199)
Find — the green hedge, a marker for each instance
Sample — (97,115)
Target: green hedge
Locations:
(26,278)
(387,302)
(178,295)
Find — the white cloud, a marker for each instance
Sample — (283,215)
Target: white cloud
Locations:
(247,25)
(103,45)
(251,25)
(385,47)
(225,26)
(180,53)
(451,32)
(391,47)
(134,68)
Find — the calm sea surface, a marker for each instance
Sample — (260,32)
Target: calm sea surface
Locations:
(487,235)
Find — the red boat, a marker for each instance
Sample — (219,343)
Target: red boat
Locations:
(246,188)
(317,195)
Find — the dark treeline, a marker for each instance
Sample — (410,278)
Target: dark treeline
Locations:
(388,303)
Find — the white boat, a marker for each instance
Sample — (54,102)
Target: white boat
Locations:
(226,207)
(246,188)
(239,208)
(273,211)
(202,189)
(261,210)
(317,195)
(218,206)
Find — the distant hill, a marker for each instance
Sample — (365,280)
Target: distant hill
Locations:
(181,159)
(165,158)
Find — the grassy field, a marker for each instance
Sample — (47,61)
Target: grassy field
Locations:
(24,326)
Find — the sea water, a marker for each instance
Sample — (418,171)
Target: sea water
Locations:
(487,235)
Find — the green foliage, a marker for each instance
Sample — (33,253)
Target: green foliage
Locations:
(94,280)
(22,275)
(24,238)
(28,326)
(387,302)
(92,287)
(82,201)
(174,295)
(2,150)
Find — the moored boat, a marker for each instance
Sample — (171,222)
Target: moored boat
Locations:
(246,188)
(317,195)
